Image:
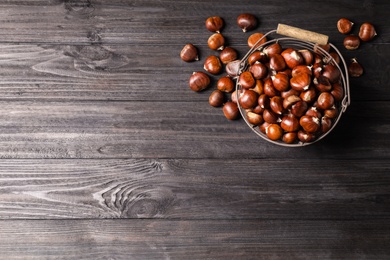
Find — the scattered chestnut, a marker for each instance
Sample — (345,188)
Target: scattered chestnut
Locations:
(325,101)
(189,53)
(230,110)
(344,25)
(227,55)
(355,69)
(310,124)
(246,80)
(351,42)
(214,24)
(225,84)
(216,41)
(246,22)
(367,32)
(199,81)
(216,98)
(254,39)
(213,65)
(274,132)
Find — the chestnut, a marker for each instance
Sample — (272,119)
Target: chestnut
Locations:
(233,67)
(310,124)
(355,70)
(313,111)
(331,72)
(289,101)
(305,137)
(254,118)
(307,56)
(199,81)
(214,24)
(216,98)
(230,110)
(367,32)
(248,99)
(326,124)
(317,69)
(257,56)
(246,22)
(227,55)
(225,84)
(246,80)
(189,53)
(337,91)
(290,138)
(290,123)
(274,48)
(270,116)
(213,65)
(331,112)
(289,92)
(299,108)
(280,81)
(344,25)
(259,70)
(325,101)
(292,57)
(274,132)
(276,104)
(259,87)
(216,41)
(277,62)
(269,88)
(322,84)
(254,39)
(263,101)
(301,69)
(263,127)
(351,42)
(300,82)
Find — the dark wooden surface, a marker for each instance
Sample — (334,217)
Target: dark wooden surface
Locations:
(107,154)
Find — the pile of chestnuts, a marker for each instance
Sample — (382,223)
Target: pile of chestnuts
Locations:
(289,94)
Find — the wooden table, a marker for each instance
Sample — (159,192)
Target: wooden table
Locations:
(107,154)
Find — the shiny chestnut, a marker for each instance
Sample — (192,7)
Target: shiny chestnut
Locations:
(214,24)
(246,22)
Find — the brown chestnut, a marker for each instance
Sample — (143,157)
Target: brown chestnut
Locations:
(257,56)
(331,72)
(325,101)
(246,22)
(299,108)
(227,55)
(269,88)
(274,48)
(292,57)
(280,81)
(301,69)
(306,137)
(277,62)
(289,123)
(367,32)
(216,98)
(290,138)
(216,41)
(263,127)
(313,111)
(189,53)
(230,110)
(225,84)
(289,101)
(254,118)
(214,24)
(326,124)
(263,101)
(199,81)
(344,25)
(233,67)
(322,83)
(259,70)
(259,87)
(300,82)
(331,112)
(276,104)
(307,56)
(310,124)
(254,39)
(246,80)
(309,95)
(351,42)
(213,65)
(274,132)
(337,91)
(270,116)
(248,99)
(355,70)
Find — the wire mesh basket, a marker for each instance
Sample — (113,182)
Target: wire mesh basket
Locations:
(292,37)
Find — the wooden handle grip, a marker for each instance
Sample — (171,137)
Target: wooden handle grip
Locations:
(302,34)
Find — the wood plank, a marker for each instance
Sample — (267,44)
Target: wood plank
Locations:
(139,73)
(150,239)
(309,189)
(172,130)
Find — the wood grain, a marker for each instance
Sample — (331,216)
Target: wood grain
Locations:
(195,189)
(161,239)
(171,130)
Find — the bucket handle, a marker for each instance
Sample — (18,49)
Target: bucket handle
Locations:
(302,34)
